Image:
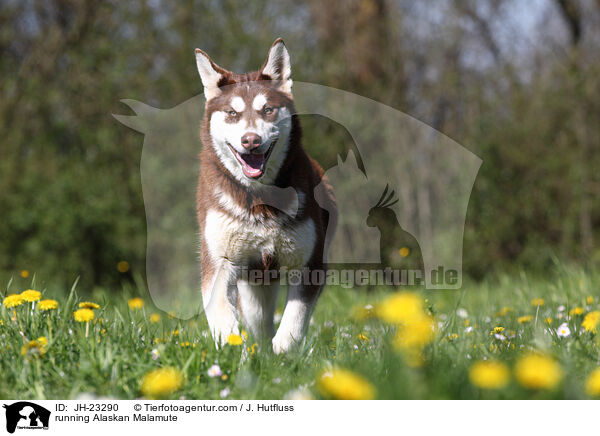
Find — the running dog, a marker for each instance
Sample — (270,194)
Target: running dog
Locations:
(252,159)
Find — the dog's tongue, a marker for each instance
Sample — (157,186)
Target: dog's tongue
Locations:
(252,164)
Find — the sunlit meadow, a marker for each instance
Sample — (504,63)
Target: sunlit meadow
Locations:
(507,338)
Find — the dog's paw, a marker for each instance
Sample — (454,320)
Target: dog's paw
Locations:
(283,344)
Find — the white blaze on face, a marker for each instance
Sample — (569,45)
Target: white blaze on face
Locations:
(238,104)
(259,102)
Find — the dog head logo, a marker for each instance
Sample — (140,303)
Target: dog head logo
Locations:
(26,415)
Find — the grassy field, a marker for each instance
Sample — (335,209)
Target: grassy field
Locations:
(530,333)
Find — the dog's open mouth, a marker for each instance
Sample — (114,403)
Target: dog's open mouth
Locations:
(253,164)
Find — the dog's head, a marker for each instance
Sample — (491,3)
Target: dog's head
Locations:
(249,115)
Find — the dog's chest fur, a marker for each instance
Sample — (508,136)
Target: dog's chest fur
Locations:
(245,239)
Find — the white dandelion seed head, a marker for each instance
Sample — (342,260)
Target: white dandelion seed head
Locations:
(214,371)
(299,394)
(462,312)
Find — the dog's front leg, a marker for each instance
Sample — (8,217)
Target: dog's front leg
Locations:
(257,308)
(219,294)
(301,301)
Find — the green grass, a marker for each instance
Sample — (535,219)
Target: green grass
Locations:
(118,351)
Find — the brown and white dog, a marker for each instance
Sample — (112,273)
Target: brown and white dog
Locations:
(252,158)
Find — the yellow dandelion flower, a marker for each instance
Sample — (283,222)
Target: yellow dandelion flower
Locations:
(154,318)
(48,304)
(88,305)
(235,340)
(497,330)
(489,375)
(342,384)
(123,266)
(590,322)
(252,349)
(161,382)
(135,303)
(505,311)
(24,273)
(83,315)
(525,318)
(592,384)
(536,371)
(12,300)
(362,337)
(224,377)
(537,302)
(35,348)
(31,295)
(548,320)
(417,332)
(400,307)
(576,311)
(589,300)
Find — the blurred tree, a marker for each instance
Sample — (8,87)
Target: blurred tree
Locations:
(516,82)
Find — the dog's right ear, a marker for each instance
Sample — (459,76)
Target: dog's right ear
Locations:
(210,73)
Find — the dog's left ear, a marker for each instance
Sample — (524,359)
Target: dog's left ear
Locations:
(278,67)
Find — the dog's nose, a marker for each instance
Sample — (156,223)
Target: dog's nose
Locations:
(251,140)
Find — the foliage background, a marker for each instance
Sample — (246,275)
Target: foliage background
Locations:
(515,82)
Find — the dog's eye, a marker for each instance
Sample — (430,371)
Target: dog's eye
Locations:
(267,110)
(231,113)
